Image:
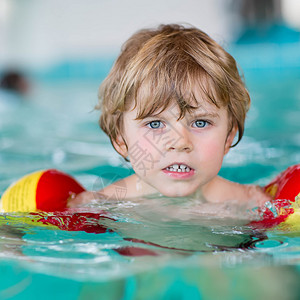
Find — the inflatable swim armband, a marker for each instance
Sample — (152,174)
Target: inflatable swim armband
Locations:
(46,190)
(284,209)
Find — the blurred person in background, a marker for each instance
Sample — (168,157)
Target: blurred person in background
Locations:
(14,87)
(14,82)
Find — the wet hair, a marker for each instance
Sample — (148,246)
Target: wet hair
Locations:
(162,66)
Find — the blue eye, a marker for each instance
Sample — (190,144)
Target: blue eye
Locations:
(155,124)
(200,124)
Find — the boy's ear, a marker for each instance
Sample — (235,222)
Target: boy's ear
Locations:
(230,139)
(120,146)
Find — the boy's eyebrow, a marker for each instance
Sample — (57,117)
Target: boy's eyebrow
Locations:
(206,114)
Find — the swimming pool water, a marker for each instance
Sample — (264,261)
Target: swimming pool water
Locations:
(189,256)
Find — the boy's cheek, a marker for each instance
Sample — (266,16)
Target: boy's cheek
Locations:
(143,155)
(213,151)
(150,145)
(210,145)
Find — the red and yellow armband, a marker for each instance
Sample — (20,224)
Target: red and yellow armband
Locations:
(46,190)
(284,209)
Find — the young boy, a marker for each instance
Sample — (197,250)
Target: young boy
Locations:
(172,105)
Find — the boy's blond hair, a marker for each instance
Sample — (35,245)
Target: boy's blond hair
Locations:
(158,67)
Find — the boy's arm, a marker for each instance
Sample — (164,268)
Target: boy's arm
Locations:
(85,197)
(115,191)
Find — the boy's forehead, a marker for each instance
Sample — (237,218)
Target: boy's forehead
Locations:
(203,107)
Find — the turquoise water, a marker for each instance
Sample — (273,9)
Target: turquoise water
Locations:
(182,255)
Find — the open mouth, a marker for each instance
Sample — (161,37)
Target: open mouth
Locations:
(179,168)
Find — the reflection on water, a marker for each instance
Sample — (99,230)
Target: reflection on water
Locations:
(137,248)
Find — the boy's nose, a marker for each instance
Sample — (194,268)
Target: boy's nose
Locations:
(179,140)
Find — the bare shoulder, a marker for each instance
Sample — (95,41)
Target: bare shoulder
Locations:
(255,192)
(226,190)
(126,188)
(118,190)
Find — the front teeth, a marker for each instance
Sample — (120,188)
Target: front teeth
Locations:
(178,168)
